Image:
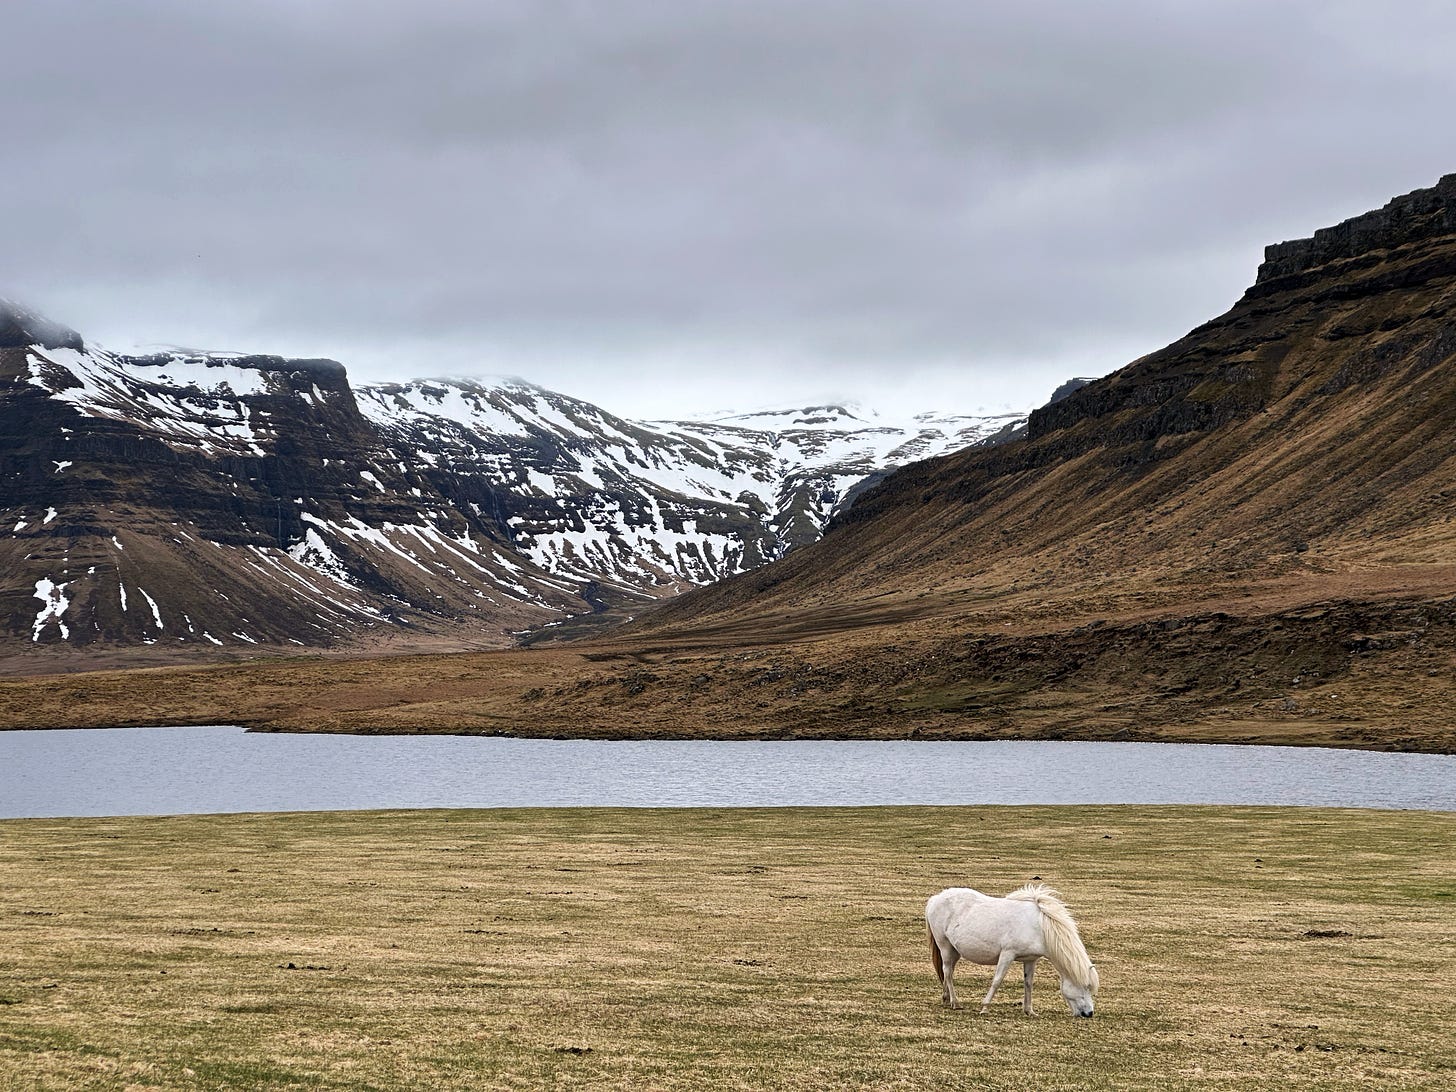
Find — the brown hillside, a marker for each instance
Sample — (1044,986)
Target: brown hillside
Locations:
(1305,434)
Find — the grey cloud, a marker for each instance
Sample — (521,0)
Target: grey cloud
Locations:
(844,194)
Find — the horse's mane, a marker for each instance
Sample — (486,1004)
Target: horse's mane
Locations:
(1063,941)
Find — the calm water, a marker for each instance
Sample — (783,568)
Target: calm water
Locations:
(167,771)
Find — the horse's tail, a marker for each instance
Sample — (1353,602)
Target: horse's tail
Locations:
(935,955)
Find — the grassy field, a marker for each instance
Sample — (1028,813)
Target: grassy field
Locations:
(1239,949)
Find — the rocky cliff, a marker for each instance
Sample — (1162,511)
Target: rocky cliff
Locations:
(1411,218)
(225,501)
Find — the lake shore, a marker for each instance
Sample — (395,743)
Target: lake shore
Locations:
(793,691)
(1238,947)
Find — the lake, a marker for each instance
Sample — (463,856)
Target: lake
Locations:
(170,771)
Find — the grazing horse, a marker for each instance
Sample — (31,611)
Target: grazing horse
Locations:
(1027,924)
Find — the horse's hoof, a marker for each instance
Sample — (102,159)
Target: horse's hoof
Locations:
(985,1009)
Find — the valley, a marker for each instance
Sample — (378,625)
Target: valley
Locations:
(1242,537)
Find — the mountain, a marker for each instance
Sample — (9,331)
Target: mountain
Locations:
(643,506)
(1304,434)
(195,500)
(1247,534)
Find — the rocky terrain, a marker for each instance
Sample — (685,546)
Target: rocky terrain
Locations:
(182,503)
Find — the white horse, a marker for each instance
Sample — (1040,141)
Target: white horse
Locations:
(1027,924)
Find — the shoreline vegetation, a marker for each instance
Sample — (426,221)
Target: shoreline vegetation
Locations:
(1298,664)
(1239,948)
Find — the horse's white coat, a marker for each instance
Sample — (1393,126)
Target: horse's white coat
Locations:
(1027,925)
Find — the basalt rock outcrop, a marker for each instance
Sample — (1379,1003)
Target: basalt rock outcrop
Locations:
(1381,276)
(1411,218)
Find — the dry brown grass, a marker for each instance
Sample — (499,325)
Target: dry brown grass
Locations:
(1239,948)
(1376,674)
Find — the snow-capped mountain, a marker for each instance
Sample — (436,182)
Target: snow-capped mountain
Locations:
(222,499)
(652,504)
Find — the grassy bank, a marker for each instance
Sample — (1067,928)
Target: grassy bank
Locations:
(1397,698)
(1239,948)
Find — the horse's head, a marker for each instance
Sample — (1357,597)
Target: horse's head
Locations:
(1080,998)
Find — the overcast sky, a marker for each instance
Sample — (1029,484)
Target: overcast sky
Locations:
(675,206)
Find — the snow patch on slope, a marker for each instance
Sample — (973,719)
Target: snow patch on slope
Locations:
(55,601)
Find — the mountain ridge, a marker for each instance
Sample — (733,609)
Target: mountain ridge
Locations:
(262,501)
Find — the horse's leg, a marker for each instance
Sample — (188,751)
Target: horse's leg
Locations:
(1003,965)
(1028,969)
(949,957)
